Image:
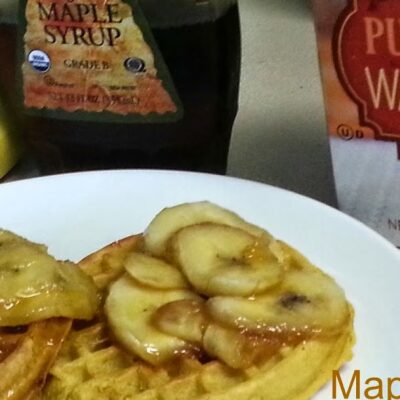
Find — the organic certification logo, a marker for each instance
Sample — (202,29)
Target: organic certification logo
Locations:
(39,61)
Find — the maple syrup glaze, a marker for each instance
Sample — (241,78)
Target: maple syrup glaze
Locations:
(8,343)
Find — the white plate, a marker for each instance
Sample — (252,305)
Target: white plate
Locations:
(76,214)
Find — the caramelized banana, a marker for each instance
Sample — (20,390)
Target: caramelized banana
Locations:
(171,220)
(154,272)
(239,349)
(34,286)
(306,301)
(184,319)
(221,260)
(129,309)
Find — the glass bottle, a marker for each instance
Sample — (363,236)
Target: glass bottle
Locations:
(193,51)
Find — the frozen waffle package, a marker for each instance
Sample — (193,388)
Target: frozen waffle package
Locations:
(359,53)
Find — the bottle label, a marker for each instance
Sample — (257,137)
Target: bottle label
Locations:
(159,14)
(367,57)
(93,60)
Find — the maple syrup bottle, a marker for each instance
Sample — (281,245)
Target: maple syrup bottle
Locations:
(128,84)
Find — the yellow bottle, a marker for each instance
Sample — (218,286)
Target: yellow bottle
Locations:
(10,146)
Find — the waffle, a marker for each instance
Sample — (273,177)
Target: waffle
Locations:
(91,366)
(28,350)
(27,355)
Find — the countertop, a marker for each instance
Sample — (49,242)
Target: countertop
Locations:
(279,135)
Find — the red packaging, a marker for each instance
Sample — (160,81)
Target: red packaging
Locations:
(359,52)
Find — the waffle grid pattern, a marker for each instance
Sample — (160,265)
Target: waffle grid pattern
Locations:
(90,367)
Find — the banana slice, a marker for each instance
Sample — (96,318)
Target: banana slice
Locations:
(238,349)
(171,220)
(307,301)
(185,319)
(153,272)
(129,309)
(221,260)
(188,320)
(34,286)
